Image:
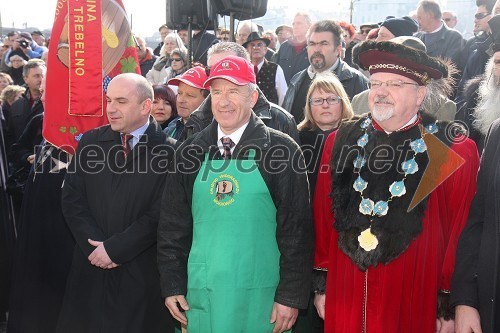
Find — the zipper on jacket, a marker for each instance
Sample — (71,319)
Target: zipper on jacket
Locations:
(365,301)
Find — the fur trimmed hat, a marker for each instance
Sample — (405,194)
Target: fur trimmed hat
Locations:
(390,57)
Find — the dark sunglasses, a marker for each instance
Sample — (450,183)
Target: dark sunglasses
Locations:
(176,59)
(480,16)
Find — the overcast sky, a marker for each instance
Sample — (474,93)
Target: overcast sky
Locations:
(147,15)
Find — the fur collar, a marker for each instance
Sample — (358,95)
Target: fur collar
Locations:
(398,228)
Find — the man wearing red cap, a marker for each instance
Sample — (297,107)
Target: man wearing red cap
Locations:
(399,189)
(235,240)
(190,94)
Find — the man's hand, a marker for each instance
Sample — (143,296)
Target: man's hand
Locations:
(467,320)
(31,158)
(319,303)
(445,326)
(284,317)
(99,257)
(172,303)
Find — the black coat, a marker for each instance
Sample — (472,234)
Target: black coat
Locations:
(476,276)
(290,61)
(352,80)
(287,186)
(44,247)
(107,199)
(21,112)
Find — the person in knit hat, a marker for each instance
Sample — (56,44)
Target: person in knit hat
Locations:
(396,27)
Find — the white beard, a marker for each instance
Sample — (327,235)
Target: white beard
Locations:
(488,107)
(382,113)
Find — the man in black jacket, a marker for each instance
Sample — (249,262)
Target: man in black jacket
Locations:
(240,214)
(324,48)
(475,284)
(271,114)
(29,105)
(111,201)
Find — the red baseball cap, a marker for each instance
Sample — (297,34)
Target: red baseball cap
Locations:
(234,69)
(194,77)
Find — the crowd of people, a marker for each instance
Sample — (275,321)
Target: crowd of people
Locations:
(317,177)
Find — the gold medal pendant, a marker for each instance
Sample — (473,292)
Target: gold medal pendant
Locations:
(367,240)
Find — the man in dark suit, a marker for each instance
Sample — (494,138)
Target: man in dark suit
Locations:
(475,285)
(439,40)
(475,281)
(111,202)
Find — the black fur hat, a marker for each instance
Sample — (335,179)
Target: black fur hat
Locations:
(390,57)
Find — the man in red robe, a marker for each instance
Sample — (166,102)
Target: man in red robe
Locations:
(389,213)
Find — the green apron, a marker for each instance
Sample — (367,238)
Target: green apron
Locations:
(233,267)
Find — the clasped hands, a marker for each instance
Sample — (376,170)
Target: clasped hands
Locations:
(99,257)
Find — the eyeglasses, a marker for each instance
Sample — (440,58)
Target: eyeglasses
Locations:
(480,16)
(375,84)
(16,60)
(176,59)
(331,100)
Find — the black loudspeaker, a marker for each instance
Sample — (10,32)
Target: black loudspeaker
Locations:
(201,12)
(241,9)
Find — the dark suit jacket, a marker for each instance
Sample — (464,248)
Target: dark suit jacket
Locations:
(476,276)
(449,44)
(116,201)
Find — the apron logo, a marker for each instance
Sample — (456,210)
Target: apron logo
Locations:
(223,188)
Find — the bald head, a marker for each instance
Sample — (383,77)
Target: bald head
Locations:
(129,98)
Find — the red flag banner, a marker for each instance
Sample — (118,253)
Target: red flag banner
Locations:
(91,43)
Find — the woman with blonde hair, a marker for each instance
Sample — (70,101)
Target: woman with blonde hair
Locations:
(10,94)
(325,116)
(5,80)
(327,105)
(158,73)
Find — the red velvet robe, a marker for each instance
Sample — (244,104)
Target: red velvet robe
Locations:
(400,296)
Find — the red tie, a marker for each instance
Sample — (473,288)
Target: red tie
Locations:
(256,70)
(227,144)
(126,146)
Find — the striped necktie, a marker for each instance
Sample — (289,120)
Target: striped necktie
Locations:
(227,144)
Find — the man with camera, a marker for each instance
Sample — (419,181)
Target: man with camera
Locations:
(25,43)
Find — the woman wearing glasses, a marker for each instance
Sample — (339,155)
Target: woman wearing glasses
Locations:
(178,65)
(158,73)
(327,106)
